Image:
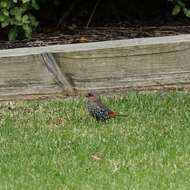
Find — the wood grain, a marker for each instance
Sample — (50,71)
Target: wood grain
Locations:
(25,75)
(127,67)
(51,64)
(137,64)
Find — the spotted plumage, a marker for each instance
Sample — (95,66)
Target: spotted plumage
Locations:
(99,111)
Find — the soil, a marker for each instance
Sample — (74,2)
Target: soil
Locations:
(95,34)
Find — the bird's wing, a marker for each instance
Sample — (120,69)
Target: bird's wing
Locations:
(101,105)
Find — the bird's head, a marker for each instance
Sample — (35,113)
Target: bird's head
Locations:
(91,96)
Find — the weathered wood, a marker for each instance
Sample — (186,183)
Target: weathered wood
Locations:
(49,60)
(140,64)
(129,67)
(137,44)
(25,75)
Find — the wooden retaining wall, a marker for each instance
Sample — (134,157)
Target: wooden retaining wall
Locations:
(138,64)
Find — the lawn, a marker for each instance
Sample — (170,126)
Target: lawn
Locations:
(56,145)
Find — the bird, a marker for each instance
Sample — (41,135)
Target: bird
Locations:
(98,110)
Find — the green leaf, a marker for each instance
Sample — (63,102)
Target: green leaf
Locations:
(4,4)
(13,11)
(28,30)
(2,17)
(13,34)
(5,12)
(176,10)
(25,1)
(15,1)
(25,19)
(33,21)
(5,23)
(181,4)
(186,12)
(35,5)
(17,12)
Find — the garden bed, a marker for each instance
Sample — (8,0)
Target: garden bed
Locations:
(119,65)
(97,34)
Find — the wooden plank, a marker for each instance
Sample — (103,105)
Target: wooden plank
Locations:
(147,63)
(58,96)
(51,64)
(25,75)
(130,67)
(137,44)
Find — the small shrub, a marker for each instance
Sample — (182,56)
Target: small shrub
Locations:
(16,17)
(180,5)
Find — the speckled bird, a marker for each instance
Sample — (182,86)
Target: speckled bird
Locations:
(98,110)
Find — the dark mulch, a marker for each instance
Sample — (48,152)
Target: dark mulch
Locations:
(70,35)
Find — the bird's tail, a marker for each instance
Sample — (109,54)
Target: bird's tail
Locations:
(115,114)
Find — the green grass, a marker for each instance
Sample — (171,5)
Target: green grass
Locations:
(56,145)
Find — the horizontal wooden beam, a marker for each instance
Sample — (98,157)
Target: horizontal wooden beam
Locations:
(82,47)
(135,64)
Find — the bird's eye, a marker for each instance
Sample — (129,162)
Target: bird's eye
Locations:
(89,94)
